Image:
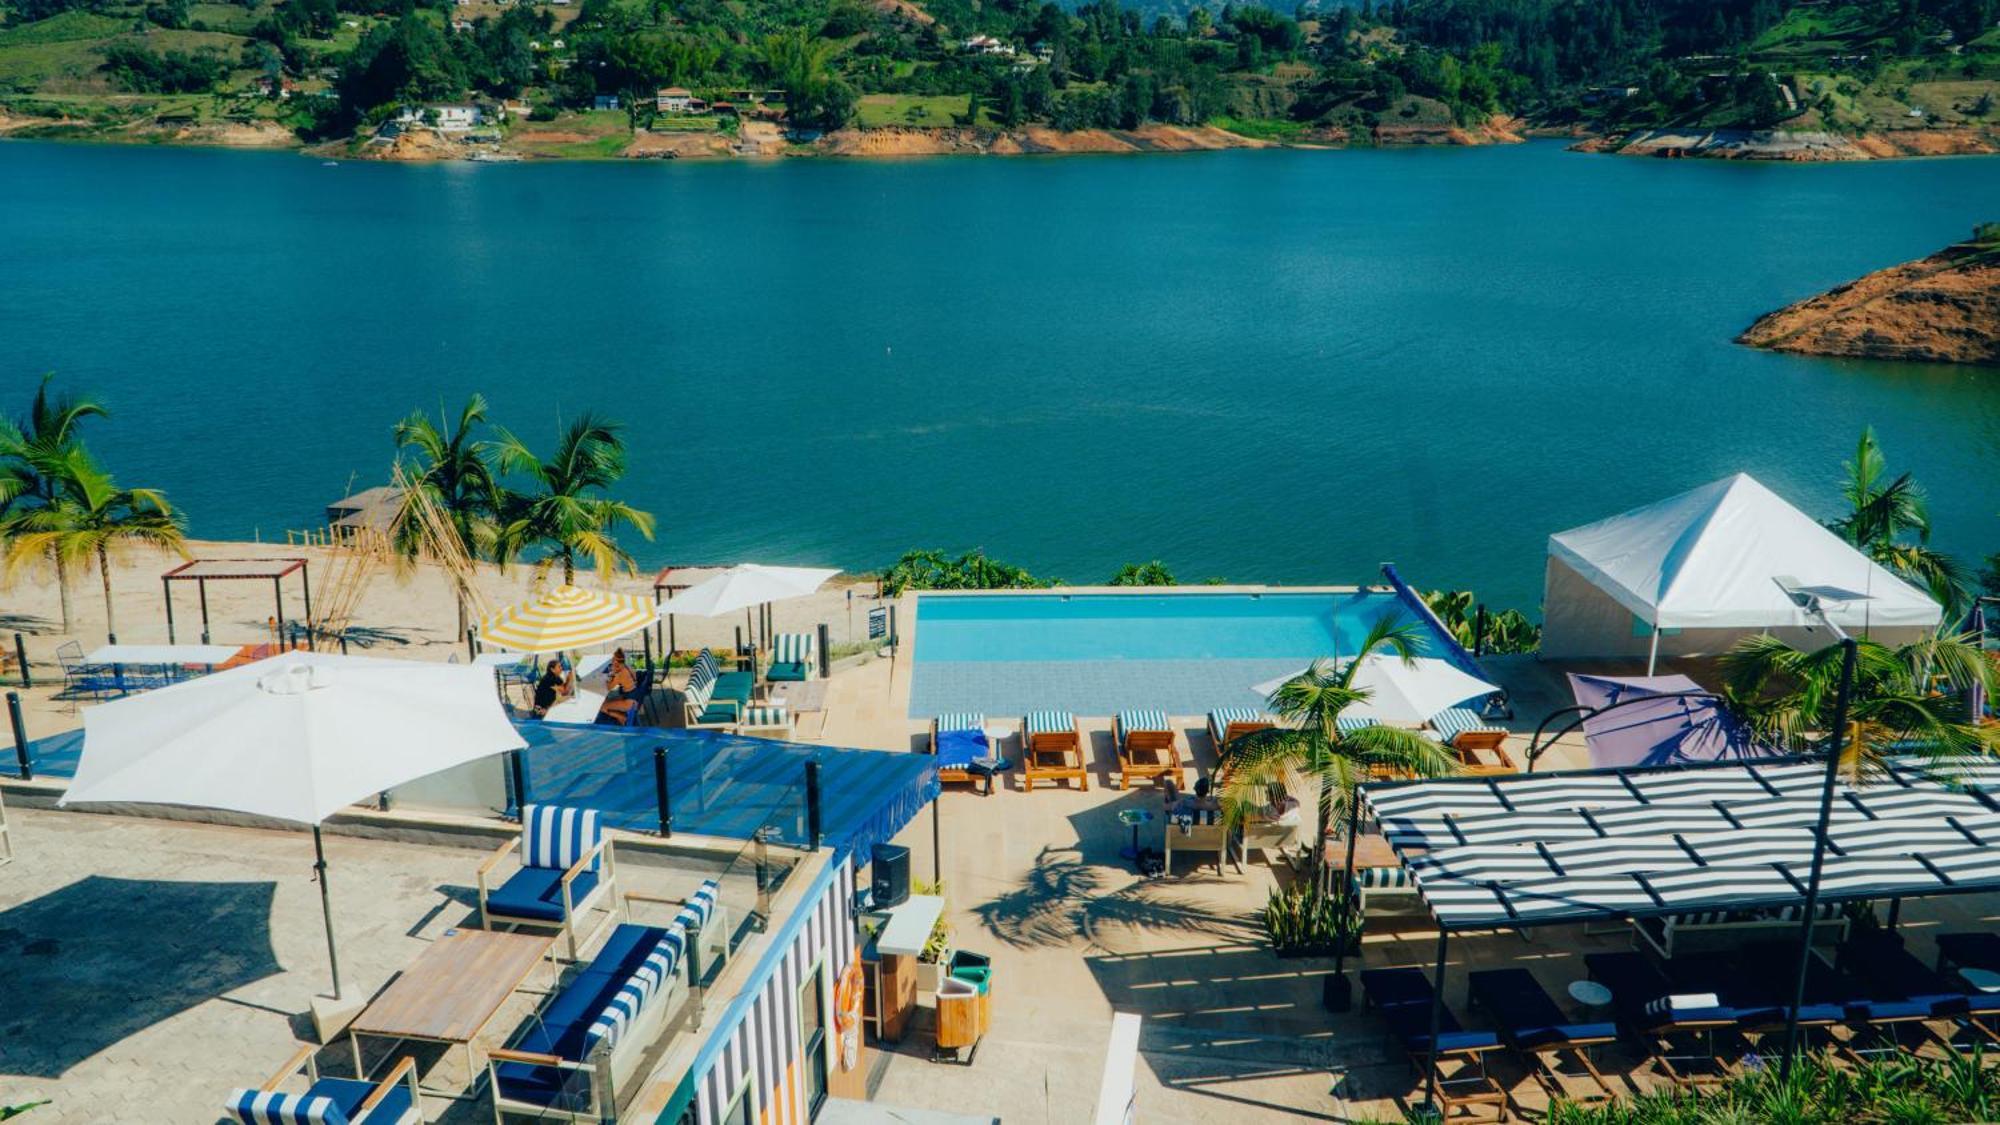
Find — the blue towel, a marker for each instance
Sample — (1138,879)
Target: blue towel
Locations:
(960,748)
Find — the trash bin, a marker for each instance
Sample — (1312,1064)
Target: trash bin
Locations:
(958,1023)
(965,959)
(981,979)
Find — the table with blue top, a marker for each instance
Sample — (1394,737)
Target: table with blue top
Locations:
(1133,818)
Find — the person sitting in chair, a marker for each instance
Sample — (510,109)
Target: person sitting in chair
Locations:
(619,688)
(557,683)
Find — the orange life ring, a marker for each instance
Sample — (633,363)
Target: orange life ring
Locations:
(847,1014)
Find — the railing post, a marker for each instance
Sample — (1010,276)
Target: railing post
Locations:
(20,735)
(471,643)
(695,989)
(21,656)
(517,766)
(812,805)
(892,624)
(660,792)
(825,654)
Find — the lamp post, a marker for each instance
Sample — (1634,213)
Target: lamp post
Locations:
(1810,602)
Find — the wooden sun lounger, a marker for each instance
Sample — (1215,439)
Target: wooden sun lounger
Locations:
(1145,752)
(1053,756)
(950,774)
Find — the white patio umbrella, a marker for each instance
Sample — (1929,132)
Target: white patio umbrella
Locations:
(746,586)
(1402,692)
(296,737)
(566,618)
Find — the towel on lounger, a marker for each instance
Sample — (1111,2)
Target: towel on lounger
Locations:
(960,748)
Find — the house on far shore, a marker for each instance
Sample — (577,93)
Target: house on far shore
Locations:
(673,99)
(457,118)
(605,101)
(372,509)
(986,45)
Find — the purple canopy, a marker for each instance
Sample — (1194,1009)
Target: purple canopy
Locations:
(1666,730)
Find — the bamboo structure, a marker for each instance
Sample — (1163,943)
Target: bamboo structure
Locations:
(440,542)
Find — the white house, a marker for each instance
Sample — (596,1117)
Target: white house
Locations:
(986,45)
(673,99)
(457,118)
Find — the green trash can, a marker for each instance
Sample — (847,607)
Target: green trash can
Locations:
(983,978)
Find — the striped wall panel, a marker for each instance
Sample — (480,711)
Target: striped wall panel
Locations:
(763,1041)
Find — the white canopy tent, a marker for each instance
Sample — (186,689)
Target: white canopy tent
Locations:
(1693,573)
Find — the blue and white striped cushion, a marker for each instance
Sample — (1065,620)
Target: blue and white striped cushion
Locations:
(961,720)
(702,677)
(1221,717)
(1049,722)
(553,836)
(1348,724)
(1454,721)
(700,905)
(792,648)
(772,715)
(1129,721)
(647,981)
(1383,878)
(268,1107)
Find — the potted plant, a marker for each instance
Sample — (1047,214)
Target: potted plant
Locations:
(935,959)
(1304,921)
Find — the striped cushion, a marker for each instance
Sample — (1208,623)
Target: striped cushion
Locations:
(1454,721)
(1049,722)
(700,906)
(646,982)
(1129,721)
(1348,724)
(1383,878)
(268,1107)
(792,648)
(1221,717)
(961,720)
(556,837)
(772,715)
(1686,1002)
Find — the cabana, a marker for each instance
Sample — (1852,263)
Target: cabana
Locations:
(1721,838)
(1694,573)
(203,571)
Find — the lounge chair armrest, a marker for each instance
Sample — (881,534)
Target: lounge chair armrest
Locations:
(493,860)
(585,860)
(532,1058)
(663,900)
(299,1058)
(405,1068)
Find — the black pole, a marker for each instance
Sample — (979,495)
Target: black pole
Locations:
(343,642)
(1848,654)
(1347,877)
(21,657)
(646,642)
(937,848)
(1437,1019)
(471,642)
(1895,913)
(201,589)
(825,643)
(1479,631)
(326,907)
(892,625)
(278,600)
(518,766)
(20,735)
(812,804)
(306,585)
(660,792)
(659,638)
(167,595)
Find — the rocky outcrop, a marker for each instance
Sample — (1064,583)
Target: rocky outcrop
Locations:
(1801,146)
(1944,309)
(1029,140)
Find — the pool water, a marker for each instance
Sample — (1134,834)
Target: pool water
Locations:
(1096,654)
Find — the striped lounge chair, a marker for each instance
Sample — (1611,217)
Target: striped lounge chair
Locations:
(1481,748)
(959,738)
(765,720)
(1381,882)
(1227,724)
(567,870)
(329,1101)
(1147,747)
(1052,749)
(791,658)
(714,698)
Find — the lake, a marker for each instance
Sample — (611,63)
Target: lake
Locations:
(1283,366)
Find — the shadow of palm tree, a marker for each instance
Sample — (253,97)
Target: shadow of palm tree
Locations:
(1060,898)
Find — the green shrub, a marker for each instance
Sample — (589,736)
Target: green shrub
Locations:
(1302,920)
(1903,1090)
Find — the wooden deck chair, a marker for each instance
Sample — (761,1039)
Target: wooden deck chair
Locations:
(962,733)
(1147,747)
(567,869)
(1052,749)
(1227,724)
(1481,749)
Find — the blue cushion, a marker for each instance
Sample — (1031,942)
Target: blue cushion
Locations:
(718,714)
(959,748)
(563,1028)
(536,892)
(785,672)
(1563,1033)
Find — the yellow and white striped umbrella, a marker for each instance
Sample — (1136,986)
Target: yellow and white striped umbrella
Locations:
(566,618)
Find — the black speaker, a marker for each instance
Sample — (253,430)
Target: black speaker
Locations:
(891,866)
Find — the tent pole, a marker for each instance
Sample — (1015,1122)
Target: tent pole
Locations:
(1849,652)
(326,907)
(937,849)
(1653,652)
(1437,1013)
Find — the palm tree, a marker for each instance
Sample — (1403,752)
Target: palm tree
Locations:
(451,465)
(1314,748)
(1883,513)
(94,519)
(565,511)
(32,461)
(1788,696)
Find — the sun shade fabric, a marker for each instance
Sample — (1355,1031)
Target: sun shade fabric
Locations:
(741,587)
(298,736)
(1650,724)
(1504,851)
(565,618)
(1708,558)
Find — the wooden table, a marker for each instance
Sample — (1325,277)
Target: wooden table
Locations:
(451,992)
(1369,851)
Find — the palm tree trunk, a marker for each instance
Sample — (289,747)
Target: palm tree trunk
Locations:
(62,588)
(569,571)
(104,569)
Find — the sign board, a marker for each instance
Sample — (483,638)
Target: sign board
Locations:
(878,623)
(1118,1094)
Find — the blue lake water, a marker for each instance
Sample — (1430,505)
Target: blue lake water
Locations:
(1264,366)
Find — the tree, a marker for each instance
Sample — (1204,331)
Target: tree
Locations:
(566,512)
(94,519)
(1153,573)
(1314,749)
(1787,696)
(451,465)
(1884,515)
(33,461)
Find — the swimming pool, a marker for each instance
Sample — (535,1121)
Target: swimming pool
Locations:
(1095,654)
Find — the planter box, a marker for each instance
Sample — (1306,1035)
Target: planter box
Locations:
(931,973)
